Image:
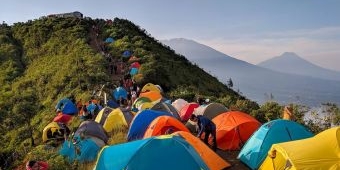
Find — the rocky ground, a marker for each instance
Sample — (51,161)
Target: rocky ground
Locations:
(231,157)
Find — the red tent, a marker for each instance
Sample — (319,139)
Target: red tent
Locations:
(62,118)
(135,65)
(187,111)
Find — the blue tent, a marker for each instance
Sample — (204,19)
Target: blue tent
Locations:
(126,53)
(109,40)
(141,122)
(112,104)
(120,92)
(66,106)
(256,148)
(164,152)
(133,71)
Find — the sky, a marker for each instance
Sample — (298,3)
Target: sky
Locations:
(252,31)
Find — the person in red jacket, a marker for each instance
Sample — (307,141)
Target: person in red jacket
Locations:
(36,165)
(207,126)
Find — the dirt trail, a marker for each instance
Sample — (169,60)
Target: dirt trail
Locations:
(231,157)
(97,45)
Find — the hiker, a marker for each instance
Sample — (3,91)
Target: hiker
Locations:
(91,108)
(200,101)
(207,126)
(86,115)
(36,165)
(79,106)
(206,101)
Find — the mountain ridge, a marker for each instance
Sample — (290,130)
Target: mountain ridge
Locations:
(289,62)
(256,82)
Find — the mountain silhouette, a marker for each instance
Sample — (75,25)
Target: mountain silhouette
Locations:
(291,63)
(257,83)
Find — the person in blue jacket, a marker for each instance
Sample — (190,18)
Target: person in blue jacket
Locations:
(207,126)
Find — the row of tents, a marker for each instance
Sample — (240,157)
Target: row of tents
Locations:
(235,130)
(268,146)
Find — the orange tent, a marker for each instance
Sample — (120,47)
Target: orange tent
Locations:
(133,59)
(213,161)
(187,110)
(164,125)
(152,95)
(233,129)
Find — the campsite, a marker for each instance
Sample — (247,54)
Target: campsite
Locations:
(83,93)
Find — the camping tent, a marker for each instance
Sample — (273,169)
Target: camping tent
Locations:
(120,93)
(149,87)
(87,150)
(54,131)
(211,110)
(133,71)
(133,59)
(111,119)
(213,161)
(319,152)
(135,65)
(112,104)
(141,122)
(139,101)
(91,128)
(62,118)
(166,107)
(154,96)
(164,125)
(179,104)
(276,131)
(109,40)
(66,106)
(126,53)
(187,111)
(163,152)
(233,129)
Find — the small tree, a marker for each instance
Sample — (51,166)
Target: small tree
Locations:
(230,83)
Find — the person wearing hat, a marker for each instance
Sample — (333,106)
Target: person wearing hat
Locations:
(206,101)
(207,126)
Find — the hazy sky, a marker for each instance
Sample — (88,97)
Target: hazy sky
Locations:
(252,31)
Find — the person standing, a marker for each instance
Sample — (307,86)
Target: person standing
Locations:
(207,126)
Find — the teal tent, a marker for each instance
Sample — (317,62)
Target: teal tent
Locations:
(163,152)
(133,71)
(87,150)
(109,40)
(256,148)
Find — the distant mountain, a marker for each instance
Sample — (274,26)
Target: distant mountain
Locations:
(257,83)
(289,62)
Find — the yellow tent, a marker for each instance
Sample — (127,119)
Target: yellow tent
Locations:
(319,152)
(52,129)
(115,119)
(150,87)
